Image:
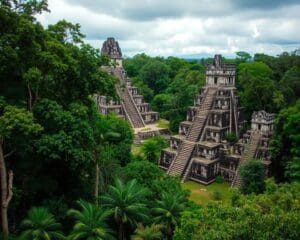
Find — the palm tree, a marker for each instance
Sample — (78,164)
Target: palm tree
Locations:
(152,147)
(168,211)
(152,232)
(103,136)
(126,203)
(90,223)
(40,225)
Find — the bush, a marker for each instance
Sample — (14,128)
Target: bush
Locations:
(219,179)
(231,138)
(152,148)
(274,215)
(253,176)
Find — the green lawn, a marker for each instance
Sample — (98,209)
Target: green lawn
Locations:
(136,149)
(203,194)
(163,123)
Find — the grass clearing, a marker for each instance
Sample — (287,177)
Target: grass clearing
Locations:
(163,123)
(136,149)
(203,194)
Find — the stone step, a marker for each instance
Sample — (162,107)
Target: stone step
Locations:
(248,154)
(180,161)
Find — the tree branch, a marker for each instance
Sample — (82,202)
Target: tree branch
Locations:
(10,153)
(10,187)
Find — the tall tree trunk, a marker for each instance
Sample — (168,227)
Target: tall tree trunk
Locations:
(6,192)
(169,232)
(96,193)
(30,98)
(121,231)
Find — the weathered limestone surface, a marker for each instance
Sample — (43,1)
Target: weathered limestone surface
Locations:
(131,105)
(256,143)
(112,49)
(200,151)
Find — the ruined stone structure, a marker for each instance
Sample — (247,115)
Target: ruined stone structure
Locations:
(112,49)
(131,105)
(255,143)
(200,151)
(195,152)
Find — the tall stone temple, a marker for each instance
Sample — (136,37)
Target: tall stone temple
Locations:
(200,152)
(131,105)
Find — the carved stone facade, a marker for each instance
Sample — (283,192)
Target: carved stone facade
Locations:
(263,121)
(106,106)
(112,49)
(220,74)
(255,144)
(131,105)
(200,151)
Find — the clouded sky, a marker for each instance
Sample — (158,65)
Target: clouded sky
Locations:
(185,27)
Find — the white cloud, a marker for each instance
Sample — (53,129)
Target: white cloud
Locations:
(160,27)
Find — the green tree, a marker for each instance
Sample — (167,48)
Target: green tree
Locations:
(90,223)
(152,147)
(152,232)
(103,136)
(135,64)
(168,211)
(290,85)
(147,174)
(74,140)
(156,75)
(162,103)
(242,57)
(285,144)
(144,89)
(279,64)
(271,215)
(126,203)
(175,64)
(40,225)
(121,145)
(150,176)
(144,172)
(253,177)
(50,64)
(65,32)
(84,140)
(232,138)
(56,74)
(257,88)
(184,88)
(15,124)
(113,139)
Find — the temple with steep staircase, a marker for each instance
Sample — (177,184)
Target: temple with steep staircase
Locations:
(195,153)
(201,152)
(131,105)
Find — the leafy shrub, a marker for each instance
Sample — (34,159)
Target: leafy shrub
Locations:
(219,179)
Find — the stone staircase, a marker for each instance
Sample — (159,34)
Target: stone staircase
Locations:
(200,119)
(181,160)
(249,153)
(129,104)
(183,156)
(187,172)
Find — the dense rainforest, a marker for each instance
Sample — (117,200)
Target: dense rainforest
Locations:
(67,172)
